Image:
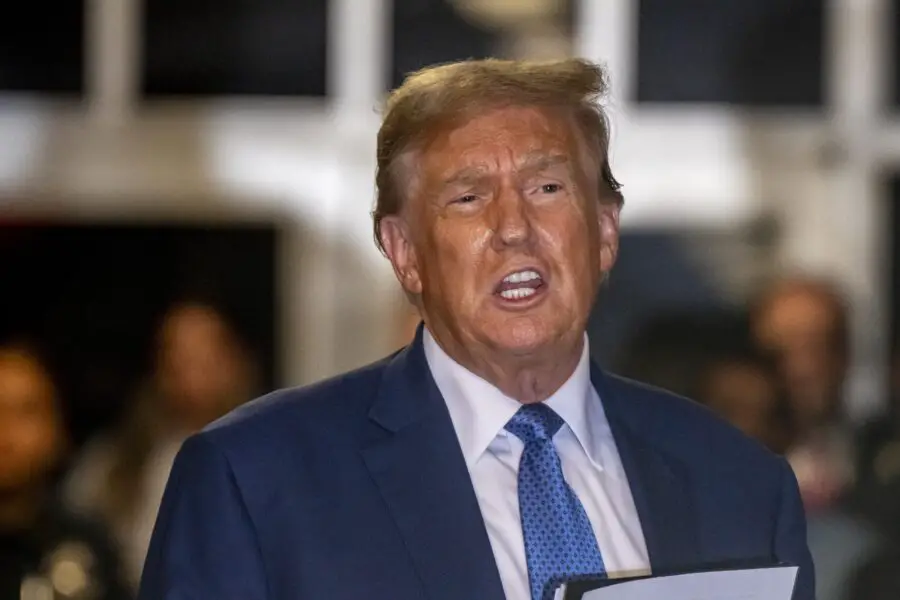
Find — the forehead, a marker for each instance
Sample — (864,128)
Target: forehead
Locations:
(191,323)
(22,380)
(800,309)
(498,138)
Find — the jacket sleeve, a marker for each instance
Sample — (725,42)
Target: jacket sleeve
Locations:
(204,546)
(790,535)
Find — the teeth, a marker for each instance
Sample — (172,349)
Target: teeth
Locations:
(517,293)
(521,276)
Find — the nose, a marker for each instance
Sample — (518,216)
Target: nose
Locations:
(512,219)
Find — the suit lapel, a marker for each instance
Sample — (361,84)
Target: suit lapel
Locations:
(414,458)
(658,482)
(417,464)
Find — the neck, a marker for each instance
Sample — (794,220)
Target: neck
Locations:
(19,509)
(529,379)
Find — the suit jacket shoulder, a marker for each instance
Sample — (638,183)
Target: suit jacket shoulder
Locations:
(295,424)
(725,498)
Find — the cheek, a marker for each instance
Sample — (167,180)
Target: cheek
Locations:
(460,257)
(574,245)
(576,255)
(35,442)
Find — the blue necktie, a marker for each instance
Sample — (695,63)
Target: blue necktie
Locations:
(559,540)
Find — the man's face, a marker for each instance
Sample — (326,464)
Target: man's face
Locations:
(503,236)
(30,429)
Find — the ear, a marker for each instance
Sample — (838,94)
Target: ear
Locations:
(608,223)
(400,250)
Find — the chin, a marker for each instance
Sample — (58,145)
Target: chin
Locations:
(523,336)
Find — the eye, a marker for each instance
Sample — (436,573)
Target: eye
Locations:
(551,188)
(468,198)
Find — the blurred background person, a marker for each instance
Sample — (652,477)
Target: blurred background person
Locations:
(742,385)
(45,551)
(201,372)
(877,499)
(672,349)
(803,323)
(709,356)
(879,443)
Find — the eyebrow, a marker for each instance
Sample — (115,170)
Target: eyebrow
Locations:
(534,162)
(540,161)
(466,175)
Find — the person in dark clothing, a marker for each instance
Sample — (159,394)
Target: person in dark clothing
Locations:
(879,439)
(45,552)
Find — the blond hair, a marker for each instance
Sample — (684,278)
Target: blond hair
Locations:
(435,96)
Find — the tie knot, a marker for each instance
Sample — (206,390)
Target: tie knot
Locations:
(534,422)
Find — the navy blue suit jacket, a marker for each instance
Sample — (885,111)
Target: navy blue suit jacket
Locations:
(357,488)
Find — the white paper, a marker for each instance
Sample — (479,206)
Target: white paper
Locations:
(775,583)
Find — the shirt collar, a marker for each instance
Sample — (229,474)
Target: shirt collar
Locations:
(577,403)
(480,411)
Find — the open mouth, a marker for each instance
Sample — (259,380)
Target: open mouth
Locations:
(521,286)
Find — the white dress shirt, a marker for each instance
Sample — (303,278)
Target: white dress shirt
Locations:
(587,450)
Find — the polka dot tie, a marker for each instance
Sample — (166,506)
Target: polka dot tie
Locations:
(559,541)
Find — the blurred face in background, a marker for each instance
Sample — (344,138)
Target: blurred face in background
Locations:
(747,396)
(802,328)
(506,240)
(201,372)
(31,430)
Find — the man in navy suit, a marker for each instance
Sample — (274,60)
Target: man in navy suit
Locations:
(489,459)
